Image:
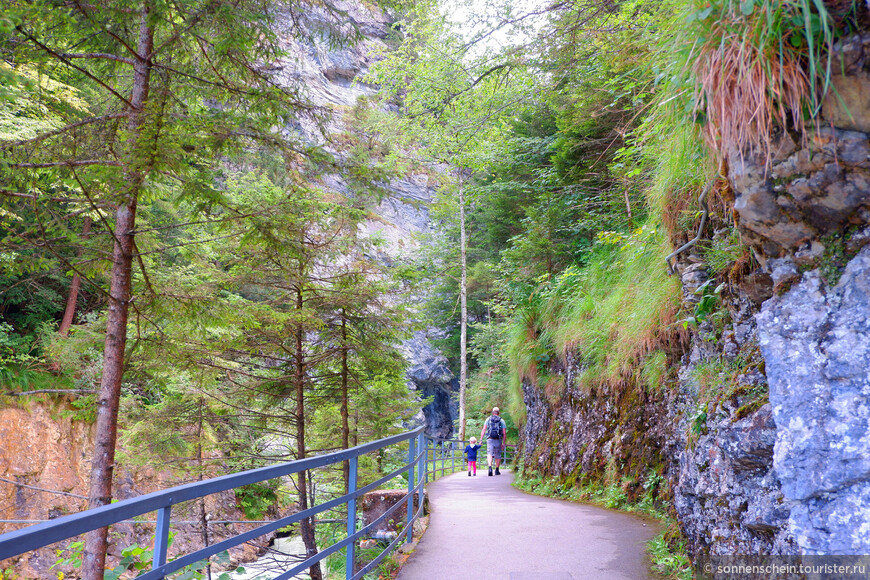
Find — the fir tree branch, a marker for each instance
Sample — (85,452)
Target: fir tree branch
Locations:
(93,55)
(35,197)
(41,391)
(69,63)
(84,10)
(67,163)
(69,127)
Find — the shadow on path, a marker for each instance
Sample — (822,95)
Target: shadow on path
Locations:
(481,528)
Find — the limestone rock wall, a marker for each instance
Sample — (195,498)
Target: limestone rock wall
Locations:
(808,221)
(816,343)
(589,433)
(430,376)
(714,453)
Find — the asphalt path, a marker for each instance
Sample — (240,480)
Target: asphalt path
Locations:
(481,528)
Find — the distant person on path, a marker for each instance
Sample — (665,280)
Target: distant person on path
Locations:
(495,431)
(471,456)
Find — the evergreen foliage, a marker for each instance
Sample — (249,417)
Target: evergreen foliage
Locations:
(569,153)
(160,124)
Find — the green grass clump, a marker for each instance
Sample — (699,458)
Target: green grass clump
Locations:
(626,304)
(654,371)
(613,314)
(668,554)
(721,253)
(748,66)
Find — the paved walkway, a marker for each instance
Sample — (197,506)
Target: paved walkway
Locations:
(481,528)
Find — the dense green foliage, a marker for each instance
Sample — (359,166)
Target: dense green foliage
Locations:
(578,194)
(262,312)
(580,190)
(563,247)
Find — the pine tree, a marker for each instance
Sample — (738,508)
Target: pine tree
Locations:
(172,86)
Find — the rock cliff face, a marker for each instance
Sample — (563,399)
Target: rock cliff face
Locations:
(716,455)
(788,476)
(48,455)
(816,344)
(815,332)
(330,72)
(331,77)
(430,376)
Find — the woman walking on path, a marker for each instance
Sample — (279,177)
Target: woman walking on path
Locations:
(495,431)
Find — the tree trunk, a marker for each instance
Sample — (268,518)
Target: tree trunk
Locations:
(307,524)
(203,516)
(354,434)
(73,298)
(463,312)
(108,398)
(345,420)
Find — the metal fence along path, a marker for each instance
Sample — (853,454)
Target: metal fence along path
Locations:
(427,460)
(47,533)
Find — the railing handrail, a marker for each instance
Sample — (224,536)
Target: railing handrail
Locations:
(40,535)
(455,452)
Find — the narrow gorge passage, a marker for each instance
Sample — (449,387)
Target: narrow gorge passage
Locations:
(482,528)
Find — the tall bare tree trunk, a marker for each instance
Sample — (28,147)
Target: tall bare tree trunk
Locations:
(203,516)
(307,524)
(354,433)
(463,312)
(73,298)
(108,398)
(345,419)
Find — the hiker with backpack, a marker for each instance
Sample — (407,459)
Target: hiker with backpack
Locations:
(495,431)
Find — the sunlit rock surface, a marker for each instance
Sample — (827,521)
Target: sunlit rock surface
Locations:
(330,72)
(816,345)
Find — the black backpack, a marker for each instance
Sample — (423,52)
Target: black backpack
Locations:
(495,431)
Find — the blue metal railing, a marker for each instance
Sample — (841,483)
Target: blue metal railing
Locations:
(447,456)
(44,534)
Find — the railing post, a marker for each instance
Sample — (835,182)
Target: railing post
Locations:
(452,457)
(411,456)
(351,519)
(161,537)
(426,459)
(421,471)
